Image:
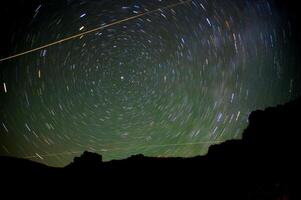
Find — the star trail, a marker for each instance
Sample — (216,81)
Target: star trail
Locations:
(161,78)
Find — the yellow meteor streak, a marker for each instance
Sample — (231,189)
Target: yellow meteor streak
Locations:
(92,30)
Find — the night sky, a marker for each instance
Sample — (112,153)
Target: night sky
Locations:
(168,83)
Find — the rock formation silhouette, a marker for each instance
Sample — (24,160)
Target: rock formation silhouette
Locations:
(264,164)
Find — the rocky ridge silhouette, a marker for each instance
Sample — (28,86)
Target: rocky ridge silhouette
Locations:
(264,164)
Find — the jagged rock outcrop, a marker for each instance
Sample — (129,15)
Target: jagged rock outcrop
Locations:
(264,164)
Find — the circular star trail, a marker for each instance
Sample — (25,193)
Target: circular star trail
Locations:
(167,83)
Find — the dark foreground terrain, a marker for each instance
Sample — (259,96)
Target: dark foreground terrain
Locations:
(263,165)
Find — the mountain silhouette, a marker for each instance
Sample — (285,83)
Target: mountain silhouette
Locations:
(264,164)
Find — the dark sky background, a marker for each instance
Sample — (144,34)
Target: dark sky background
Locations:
(17,15)
(170,83)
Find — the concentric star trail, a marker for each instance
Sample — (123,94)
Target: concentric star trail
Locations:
(92,30)
(154,77)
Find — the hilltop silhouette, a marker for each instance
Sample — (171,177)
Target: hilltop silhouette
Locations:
(264,164)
